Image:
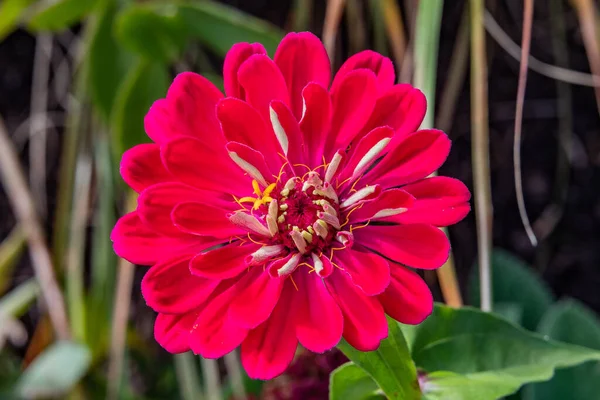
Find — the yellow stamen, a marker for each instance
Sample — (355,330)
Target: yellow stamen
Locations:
(256,188)
(350,212)
(294,283)
(269,190)
(353,228)
(254,241)
(344,181)
(354,184)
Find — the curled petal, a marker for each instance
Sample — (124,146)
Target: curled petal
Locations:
(407,299)
(388,205)
(291,58)
(368,271)
(381,66)
(172,331)
(141,167)
(316,121)
(222,263)
(235,57)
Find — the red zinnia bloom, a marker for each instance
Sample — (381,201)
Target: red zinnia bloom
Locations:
(290,210)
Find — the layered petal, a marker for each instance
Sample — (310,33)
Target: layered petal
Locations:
(381,66)
(235,57)
(169,287)
(223,263)
(291,58)
(389,205)
(214,334)
(402,108)
(368,271)
(407,299)
(414,158)
(319,320)
(316,121)
(353,101)
(192,163)
(188,110)
(201,219)
(364,319)
(141,167)
(172,331)
(418,246)
(270,348)
(440,201)
(262,82)
(138,244)
(258,294)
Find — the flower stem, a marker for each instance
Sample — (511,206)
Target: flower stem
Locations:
(187,376)
(212,385)
(480,151)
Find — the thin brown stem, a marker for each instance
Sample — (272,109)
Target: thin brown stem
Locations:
(333,15)
(525,46)
(23,205)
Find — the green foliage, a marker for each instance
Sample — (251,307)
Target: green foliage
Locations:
(153,31)
(570,322)
(54,371)
(471,354)
(144,83)
(350,382)
(11,12)
(17,302)
(219,26)
(58,15)
(515,282)
(390,365)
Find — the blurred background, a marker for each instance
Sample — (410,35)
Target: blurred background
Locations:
(77,77)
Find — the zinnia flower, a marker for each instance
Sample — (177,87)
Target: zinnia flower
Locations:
(290,210)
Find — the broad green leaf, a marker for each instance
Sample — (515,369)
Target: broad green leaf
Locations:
(55,371)
(471,354)
(153,31)
(515,282)
(390,365)
(106,62)
(219,27)
(58,15)
(571,322)
(144,84)
(11,12)
(350,382)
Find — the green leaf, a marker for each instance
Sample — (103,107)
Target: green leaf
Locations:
(571,322)
(515,282)
(58,15)
(55,371)
(16,302)
(390,365)
(219,27)
(11,12)
(153,31)
(350,382)
(475,355)
(144,84)
(106,61)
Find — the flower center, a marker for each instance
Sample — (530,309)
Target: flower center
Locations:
(307,214)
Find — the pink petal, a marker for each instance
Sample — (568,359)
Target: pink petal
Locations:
(365,324)
(381,66)
(402,108)
(250,161)
(138,244)
(214,334)
(201,219)
(407,299)
(302,59)
(239,53)
(189,161)
(258,294)
(316,121)
(224,262)
(366,145)
(319,321)
(169,287)
(172,331)
(368,271)
(141,167)
(418,246)
(287,121)
(188,110)
(353,101)
(262,82)
(156,203)
(414,158)
(270,348)
(388,202)
(242,123)
(440,201)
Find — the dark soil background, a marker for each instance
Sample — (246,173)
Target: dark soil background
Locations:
(568,259)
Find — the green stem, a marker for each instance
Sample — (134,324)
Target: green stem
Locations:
(187,376)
